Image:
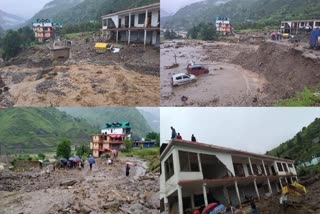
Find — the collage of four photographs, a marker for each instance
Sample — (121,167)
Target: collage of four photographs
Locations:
(158,106)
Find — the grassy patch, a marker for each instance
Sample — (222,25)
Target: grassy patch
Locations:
(75,35)
(152,155)
(305,98)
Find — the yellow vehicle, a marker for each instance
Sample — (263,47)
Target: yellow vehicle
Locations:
(291,194)
(102,47)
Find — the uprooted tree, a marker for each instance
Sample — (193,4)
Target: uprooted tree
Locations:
(64,149)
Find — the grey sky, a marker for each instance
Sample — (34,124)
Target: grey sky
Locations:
(249,129)
(173,6)
(22,8)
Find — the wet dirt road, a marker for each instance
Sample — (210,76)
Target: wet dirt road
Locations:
(226,84)
(104,190)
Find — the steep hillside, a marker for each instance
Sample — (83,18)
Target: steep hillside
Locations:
(256,13)
(51,9)
(8,21)
(303,146)
(152,116)
(34,129)
(98,116)
(78,11)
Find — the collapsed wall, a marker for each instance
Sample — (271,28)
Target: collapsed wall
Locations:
(287,69)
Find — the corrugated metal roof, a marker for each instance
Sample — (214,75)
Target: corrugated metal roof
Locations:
(123,124)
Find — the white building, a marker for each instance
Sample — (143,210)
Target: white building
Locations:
(298,26)
(141,24)
(196,174)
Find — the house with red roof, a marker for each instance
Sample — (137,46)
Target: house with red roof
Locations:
(111,138)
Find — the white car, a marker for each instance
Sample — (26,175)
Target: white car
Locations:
(182,78)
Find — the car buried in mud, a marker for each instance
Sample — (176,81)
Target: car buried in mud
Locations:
(197,69)
(182,78)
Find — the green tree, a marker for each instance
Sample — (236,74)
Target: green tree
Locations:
(128,145)
(41,156)
(11,44)
(151,136)
(83,150)
(64,149)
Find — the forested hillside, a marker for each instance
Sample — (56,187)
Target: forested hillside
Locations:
(244,13)
(303,145)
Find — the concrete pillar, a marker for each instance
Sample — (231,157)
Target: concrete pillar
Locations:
(291,180)
(297,179)
(145,31)
(192,202)
(226,194)
(287,168)
(264,168)
(129,33)
(199,161)
(166,205)
(256,188)
(238,194)
(204,188)
(269,185)
(280,182)
(251,166)
(276,167)
(285,178)
(180,202)
(117,36)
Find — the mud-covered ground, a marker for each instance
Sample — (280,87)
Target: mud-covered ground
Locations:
(129,78)
(104,190)
(242,72)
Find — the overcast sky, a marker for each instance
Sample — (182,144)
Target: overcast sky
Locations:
(249,129)
(22,8)
(174,5)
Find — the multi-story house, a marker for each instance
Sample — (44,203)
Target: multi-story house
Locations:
(111,137)
(195,174)
(298,26)
(141,24)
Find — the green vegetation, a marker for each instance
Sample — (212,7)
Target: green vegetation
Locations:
(33,130)
(70,31)
(303,146)
(153,136)
(170,34)
(100,115)
(128,145)
(78,11)
(64,149)
(305,98)
(83,150)
(203,31)
(244,14)
(41,156)
(152,155)
(309,170)
(14,41)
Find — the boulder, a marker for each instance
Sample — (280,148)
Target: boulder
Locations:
(68,183)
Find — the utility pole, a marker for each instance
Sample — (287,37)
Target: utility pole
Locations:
(175,59)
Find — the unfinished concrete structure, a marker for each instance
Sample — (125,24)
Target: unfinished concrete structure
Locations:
(223,26)
(141,24)
(299,26)
(111,138)
(196,174)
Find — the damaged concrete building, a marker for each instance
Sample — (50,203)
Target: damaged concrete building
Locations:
(299,26)
(196,174)
(141,24)
(111,138)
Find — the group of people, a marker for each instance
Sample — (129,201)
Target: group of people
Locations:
(178,136)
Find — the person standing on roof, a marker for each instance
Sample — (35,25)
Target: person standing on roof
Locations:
(193,138)
(179,136)
(173,133)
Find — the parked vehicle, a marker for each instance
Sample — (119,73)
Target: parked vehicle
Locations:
(182,78)
(197,69)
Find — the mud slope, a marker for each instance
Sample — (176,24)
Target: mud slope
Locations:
(288,69)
